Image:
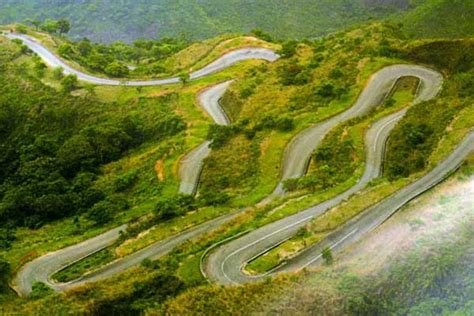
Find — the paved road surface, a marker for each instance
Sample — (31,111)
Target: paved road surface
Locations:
(225,265)
(298,152)
(219,64)
(191,165)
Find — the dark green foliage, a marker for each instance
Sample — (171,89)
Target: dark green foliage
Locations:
(7,236)
(102,212)
(210,197)
(112,59)
(53,146)
(284,124)
(64,26)
(449,56)
(184,77)
(69,83)
(262,35)
(413,140)
(153,291)
(288,49)
(293,74)
(219,135)
(5,271)
(107,22)
(40,290)
(171,207)
(116,69)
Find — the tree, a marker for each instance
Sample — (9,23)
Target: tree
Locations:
(84,47)
(58,73)
(101,212)
(35,23)
(20,28)
(65,50)
(40,290)
(69,83)
(262,35)
(63,26)
(117,69)
(184,77)
(327,256)
(50,26)
(288,49)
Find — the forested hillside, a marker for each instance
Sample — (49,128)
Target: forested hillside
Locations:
(108,20)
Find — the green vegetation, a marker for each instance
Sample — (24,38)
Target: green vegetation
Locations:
(88,264)
(142,58)
(54,147)
(78,159)
(107,22)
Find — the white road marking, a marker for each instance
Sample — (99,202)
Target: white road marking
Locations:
(256,242)
(377,136)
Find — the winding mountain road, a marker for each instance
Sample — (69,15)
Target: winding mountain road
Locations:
(191,165)
(225,264)
(298,152)
(219,64)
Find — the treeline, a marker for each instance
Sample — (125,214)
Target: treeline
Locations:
(52,148)
(114,59)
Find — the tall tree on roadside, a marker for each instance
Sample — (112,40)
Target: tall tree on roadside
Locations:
(35,23)
(64,26)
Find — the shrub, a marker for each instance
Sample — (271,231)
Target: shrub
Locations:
(288,49)
(40,290)
(171,207)
(117,69)
(69,83)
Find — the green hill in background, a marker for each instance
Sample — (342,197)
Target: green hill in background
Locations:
(109,20)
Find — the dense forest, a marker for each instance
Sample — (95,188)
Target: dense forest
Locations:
(53,145)
(127,20)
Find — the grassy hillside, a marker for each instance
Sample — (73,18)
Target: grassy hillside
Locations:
(109,20)
(131,140)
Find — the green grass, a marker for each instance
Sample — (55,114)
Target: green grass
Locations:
(88,264)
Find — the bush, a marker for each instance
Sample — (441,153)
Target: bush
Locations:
(219,135)
(69,83)
(40,290)
(213,198)
(288,49)
(171,207)
(294,74)
(58,73)
(117,69)
(20,28)
(102,212)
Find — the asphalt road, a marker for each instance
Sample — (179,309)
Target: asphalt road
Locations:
(42,268)
(298,152)
(225,265)
(219,64)
(191,165)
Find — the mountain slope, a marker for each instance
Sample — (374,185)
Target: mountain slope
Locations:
(108,20)
(440,18)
